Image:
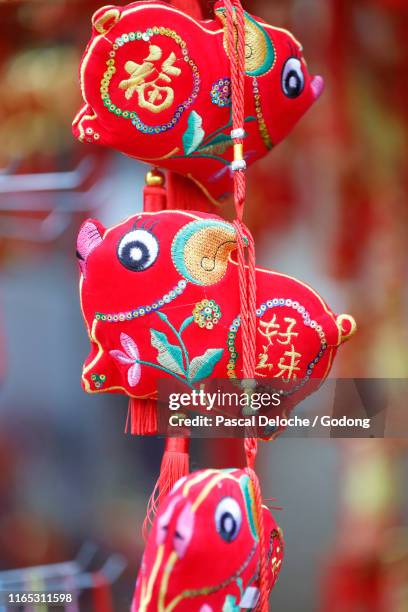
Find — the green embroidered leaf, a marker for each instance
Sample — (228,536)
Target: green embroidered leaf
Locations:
(230,604)
(194,134)
(219,139)
(186,323)
(245,484)
(162,316)
(215,150)
(217,145)
(169,355)
(203,366)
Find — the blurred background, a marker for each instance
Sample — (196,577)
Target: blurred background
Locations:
(328,206)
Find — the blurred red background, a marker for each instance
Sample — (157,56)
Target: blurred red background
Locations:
(328,205)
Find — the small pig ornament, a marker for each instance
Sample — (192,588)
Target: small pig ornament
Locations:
(156,85)
(202,554)
(160,298)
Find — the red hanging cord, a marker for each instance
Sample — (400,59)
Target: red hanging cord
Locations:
(246,256)
(246,248)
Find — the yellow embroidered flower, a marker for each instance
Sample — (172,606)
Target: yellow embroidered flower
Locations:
(207,313)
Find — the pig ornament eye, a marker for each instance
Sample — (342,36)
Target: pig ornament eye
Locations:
(138,250)
(228,519)
(293,80)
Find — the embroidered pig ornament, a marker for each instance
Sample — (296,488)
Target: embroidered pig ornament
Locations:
(156,86)
(203,550)
(160,298)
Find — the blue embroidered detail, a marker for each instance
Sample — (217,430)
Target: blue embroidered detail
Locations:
(221,93)
(142,310)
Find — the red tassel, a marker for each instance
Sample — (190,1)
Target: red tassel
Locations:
(142,417)
(184,194)
(154,193)
(175,465)
(102,594)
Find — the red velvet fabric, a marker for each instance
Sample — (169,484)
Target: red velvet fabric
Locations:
(160,298)
(203,550)
(156,86)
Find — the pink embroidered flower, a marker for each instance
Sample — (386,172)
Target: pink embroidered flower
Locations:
(129,357)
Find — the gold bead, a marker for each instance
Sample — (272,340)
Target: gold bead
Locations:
(238,151)
(154,178)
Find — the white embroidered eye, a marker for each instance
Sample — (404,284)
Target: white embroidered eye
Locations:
(293,80)
(228,519)
(138,250)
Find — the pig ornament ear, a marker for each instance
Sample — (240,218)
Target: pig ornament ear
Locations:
(260,52)
(90,236)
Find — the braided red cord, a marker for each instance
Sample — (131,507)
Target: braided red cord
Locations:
(252,323)
(246,270)
(251,449)
(263,604)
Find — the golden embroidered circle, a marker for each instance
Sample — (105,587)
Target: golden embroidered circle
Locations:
(111,69)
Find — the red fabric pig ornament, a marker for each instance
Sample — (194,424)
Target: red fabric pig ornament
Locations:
(156,86)
(160,298)
(203,550)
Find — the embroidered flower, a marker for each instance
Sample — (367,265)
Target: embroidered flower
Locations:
(221,93)
(207,313)
(129,357)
